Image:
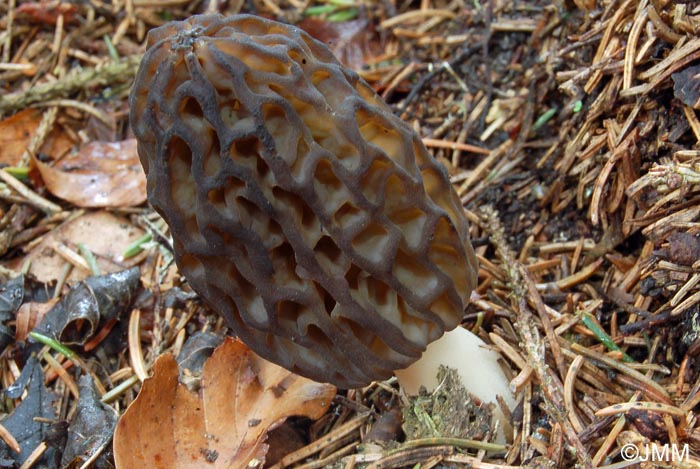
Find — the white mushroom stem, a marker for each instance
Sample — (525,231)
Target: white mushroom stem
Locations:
(478,367)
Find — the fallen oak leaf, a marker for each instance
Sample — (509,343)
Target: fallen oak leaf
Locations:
(241,398)
(101,174)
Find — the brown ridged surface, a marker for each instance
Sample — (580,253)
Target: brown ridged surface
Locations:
(301,208)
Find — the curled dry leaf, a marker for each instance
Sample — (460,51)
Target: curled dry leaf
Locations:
(242,396)
(101,174)
(95,301)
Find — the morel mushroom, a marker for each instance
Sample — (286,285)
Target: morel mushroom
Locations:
(301,208)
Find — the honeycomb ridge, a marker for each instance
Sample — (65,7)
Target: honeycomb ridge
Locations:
(307,214)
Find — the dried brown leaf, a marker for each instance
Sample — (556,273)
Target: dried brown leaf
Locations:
(101,174)
(686,86)
(17,131)
(354,42)
(242,396)
(47,12)
(104,234)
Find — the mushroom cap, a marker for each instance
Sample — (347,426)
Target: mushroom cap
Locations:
(307,214)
